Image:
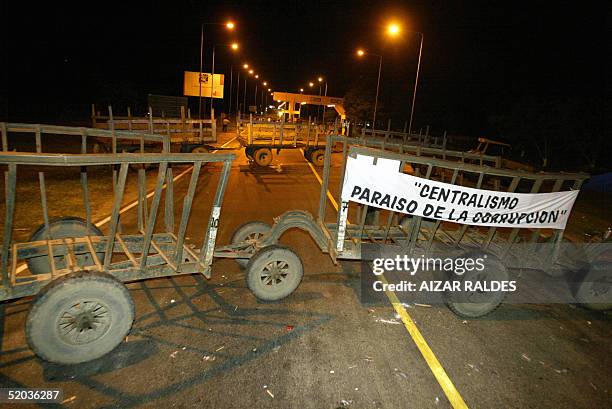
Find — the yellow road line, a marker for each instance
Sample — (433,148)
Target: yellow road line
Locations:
(329,195)
(452,394)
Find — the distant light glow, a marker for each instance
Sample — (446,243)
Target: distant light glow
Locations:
(257,76)
(265,83)
(360,52)
(320,79)
(230,25)
(311,84)
(234,46)
(251,72)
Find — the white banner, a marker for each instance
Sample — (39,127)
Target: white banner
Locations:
(384,186)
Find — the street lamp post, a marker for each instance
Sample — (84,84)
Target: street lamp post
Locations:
(416,82)
(233,46)
(361,53)
(237,94)
(230,26)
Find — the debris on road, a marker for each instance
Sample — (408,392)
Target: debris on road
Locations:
(173,355)
(207,358)
(559,371)
(220,348)
(270,393)
(525,357)
(172,301)
(344,403)
(289,328)
(437,400)
(368,359)
(422,305)
(384,321)
(70,399)
(332,371)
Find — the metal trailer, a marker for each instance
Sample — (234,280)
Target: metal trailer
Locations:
(419,139)
(413,235)
(260,138)
(81,309)
(193,135)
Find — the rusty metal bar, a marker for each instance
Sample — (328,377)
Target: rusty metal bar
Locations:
(153,214)
(114,222)
(10,182)
(187,202)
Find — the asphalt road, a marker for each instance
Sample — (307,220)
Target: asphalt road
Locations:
(211,344)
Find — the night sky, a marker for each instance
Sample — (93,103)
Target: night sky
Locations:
(480,59)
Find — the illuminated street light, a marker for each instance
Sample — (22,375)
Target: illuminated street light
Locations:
(269,89)
(256,75)
(320,79)
(393,29)
(245,66)
(230,25)
(311,84)
(301,89)
(360,53)
(265,83)
(234,46)
(251,72)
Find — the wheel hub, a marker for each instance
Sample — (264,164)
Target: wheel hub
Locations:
(84,322)
(274,273)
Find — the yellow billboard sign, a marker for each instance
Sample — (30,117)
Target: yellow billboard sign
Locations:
(197,84)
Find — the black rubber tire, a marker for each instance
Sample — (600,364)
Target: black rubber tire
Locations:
(318,157)
(110,301)
(263,157)
(593,287)
(249,230)
(494,271)
(62,227)
(270,260)
(308,154)
(248,151)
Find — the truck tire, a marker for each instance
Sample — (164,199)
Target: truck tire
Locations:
(79,317)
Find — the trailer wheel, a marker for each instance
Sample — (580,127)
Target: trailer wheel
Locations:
(79,317)
(248,151)
(199,149)
(61,228)
(249,231)
(99,148)
(475,304)
(593,287)
(137,166)
(274,272)
(263,156)
(318,157)
(307,154)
